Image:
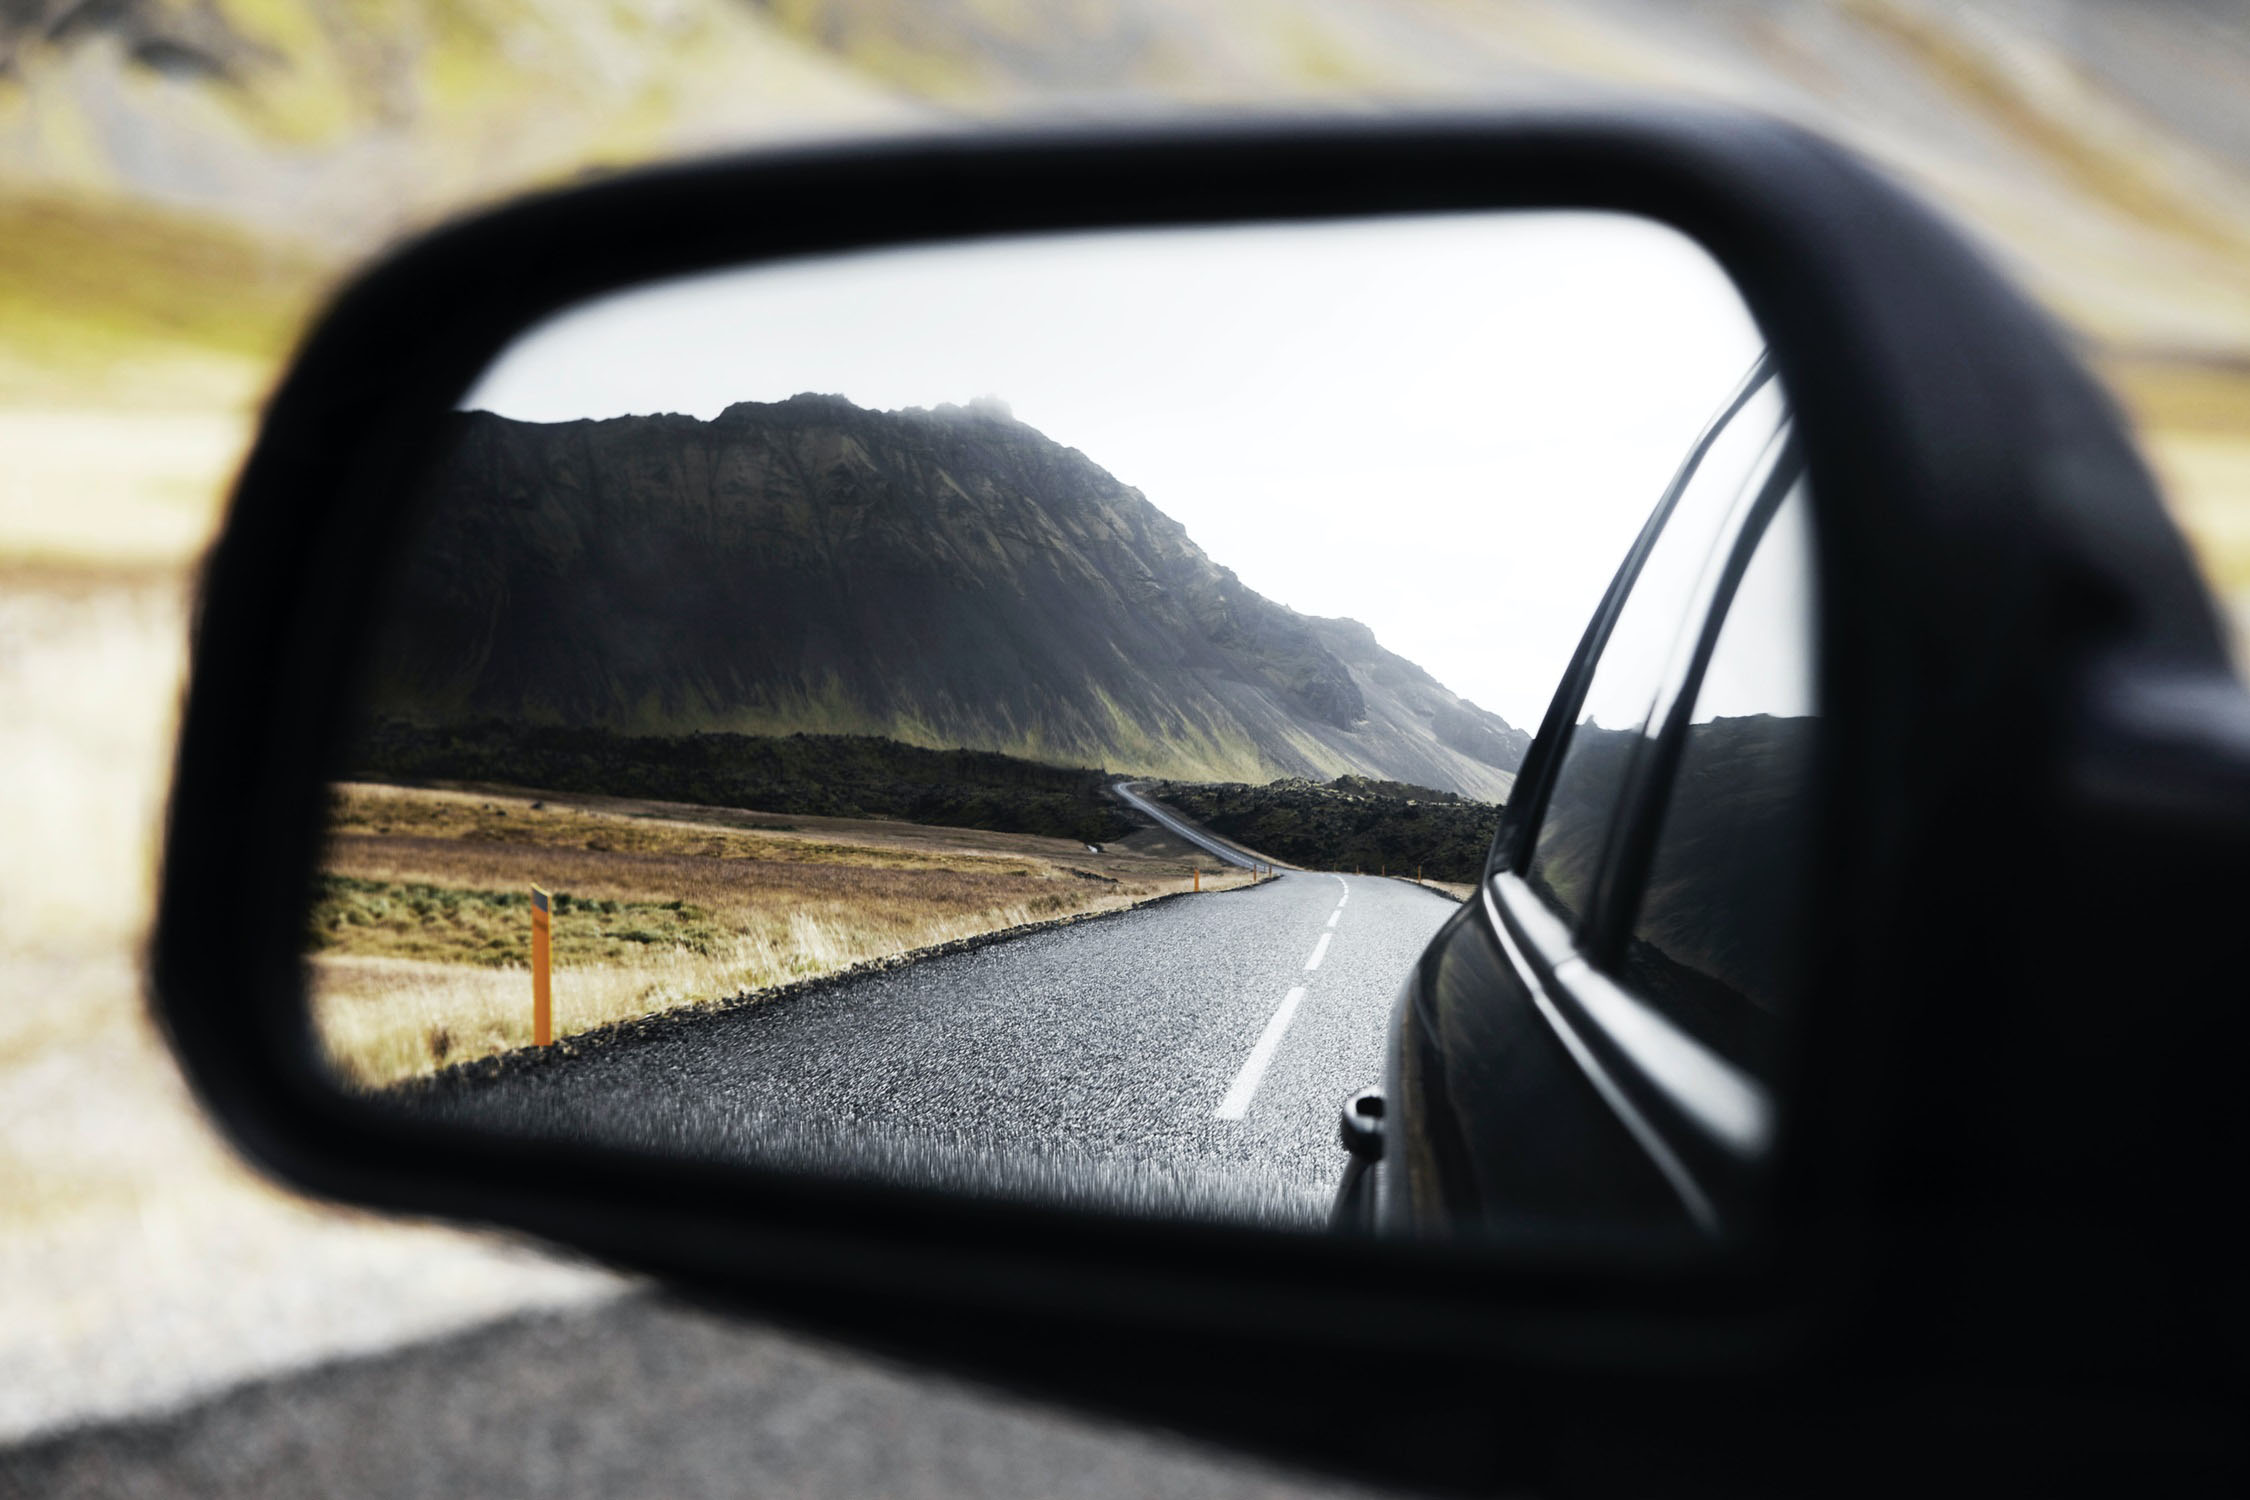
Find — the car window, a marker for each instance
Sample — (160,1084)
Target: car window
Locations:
(1711,945)
(1642,647)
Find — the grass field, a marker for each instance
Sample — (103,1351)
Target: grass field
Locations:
(418,936)
(2194,420)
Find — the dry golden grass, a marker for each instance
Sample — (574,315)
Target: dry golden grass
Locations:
(669,907)
(1457,890)
(2193,421)
(2181,393)
(2056,129)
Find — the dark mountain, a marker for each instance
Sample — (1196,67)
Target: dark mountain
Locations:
(823,775)
(949,578)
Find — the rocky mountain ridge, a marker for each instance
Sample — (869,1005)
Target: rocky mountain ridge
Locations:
(946,578)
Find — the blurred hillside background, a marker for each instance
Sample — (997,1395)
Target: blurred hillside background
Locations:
(182,181)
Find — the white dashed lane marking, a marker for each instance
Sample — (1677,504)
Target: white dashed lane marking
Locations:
(1245,1087)
(1237,1102)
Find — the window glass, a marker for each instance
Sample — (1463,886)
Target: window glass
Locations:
(1713,944)
(1673,581)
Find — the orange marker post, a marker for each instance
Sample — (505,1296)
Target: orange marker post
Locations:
(542,998)
(1199,880)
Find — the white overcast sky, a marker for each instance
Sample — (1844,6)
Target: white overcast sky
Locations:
(1448,428)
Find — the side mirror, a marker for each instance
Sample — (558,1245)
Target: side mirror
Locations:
(526,666)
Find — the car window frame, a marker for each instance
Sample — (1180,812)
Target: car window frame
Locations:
(1714,549)
(1630,848)
(1514,841)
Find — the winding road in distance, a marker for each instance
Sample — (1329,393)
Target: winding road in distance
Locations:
(1188,1056)
(1129,793)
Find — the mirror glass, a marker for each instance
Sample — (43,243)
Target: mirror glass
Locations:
(1012,715)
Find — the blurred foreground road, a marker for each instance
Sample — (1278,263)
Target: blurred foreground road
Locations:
(1186,1056)
(632,1398)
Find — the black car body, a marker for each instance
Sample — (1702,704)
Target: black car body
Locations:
(1593,1044)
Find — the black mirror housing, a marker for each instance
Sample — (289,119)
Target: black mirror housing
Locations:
(2012,1124)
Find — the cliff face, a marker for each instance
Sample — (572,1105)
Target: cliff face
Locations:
(948,578)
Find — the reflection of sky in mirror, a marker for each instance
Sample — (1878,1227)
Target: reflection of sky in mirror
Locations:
(1446,428)
(1763,660)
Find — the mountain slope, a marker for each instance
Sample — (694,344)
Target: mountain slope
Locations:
(947,578)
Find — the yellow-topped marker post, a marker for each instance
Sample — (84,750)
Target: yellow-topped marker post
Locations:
(542,998)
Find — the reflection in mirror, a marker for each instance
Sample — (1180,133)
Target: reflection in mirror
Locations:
(1670,587)
(1010,716)
(1713,942)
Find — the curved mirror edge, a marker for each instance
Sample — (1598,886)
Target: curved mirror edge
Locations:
(822,727)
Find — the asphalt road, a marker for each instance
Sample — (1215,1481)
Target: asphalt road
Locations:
(1129,792)
(1188,1056)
